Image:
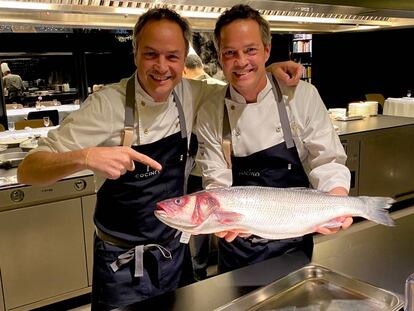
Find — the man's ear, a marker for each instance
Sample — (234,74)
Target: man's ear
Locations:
(267,48)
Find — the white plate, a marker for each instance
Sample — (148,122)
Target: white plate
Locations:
(12,140)
(29,144)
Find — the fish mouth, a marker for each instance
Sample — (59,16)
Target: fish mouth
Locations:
(165,218)
(164,210)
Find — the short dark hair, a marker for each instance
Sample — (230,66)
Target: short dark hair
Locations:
(193,61)
(242,11)
(159,14)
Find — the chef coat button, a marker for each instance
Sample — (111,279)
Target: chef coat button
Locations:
(237,133)
(232,107)
(278,129)
(146,131)
(142,103)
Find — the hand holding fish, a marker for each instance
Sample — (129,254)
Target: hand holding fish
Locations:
(112,162)
(343,222)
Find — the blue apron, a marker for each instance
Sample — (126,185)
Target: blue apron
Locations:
(277,166)
(136,256)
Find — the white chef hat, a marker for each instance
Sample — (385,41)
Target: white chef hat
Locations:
(4,67)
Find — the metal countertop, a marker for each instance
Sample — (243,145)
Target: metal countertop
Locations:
(371,124)
(382,256)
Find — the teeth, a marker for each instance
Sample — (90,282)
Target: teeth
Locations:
(160,78)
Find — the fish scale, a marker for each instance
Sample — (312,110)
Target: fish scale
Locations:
(272,213)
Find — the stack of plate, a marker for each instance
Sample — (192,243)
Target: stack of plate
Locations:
(373,107)
(358,109)
(337,112)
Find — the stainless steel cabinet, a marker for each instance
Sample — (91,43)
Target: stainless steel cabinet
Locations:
(381,162)
(42,253)
(88,209)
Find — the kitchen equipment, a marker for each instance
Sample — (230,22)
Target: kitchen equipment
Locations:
(317,288)
(409,293)
(11,159)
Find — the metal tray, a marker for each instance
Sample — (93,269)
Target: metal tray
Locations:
(316,288)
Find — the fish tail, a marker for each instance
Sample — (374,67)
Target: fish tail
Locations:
(377,209)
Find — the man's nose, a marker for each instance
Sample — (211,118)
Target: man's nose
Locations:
(161,63)
(241,58)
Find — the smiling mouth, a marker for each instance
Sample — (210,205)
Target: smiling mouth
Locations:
(243,73)
(160,78)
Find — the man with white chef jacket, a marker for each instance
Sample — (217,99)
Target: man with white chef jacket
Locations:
(134,134)
(265,134)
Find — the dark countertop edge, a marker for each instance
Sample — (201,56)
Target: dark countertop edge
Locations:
(395,121)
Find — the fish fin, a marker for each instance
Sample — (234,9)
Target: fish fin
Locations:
(227,218)
(377,209)
(204,199)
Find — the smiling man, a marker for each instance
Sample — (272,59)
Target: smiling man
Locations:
(264,134)
(135,135)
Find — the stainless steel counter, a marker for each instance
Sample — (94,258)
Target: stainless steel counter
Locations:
(382,256)
(372,123)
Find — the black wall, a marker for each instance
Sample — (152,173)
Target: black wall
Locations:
(106,58)
(345,66)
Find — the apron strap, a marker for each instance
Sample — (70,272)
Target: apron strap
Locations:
(226,137)
(281,107)
(129,112)
(181,117)
(137,253)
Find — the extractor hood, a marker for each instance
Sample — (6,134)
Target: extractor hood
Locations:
(291,16)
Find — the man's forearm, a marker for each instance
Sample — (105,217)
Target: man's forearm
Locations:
(44,168)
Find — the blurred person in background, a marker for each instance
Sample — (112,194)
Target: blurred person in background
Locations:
(12,83)
(279,136)
(194,69)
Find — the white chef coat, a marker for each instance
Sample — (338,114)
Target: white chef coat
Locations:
(256,126)
(101,119)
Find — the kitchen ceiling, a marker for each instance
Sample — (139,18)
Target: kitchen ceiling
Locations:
(284,16)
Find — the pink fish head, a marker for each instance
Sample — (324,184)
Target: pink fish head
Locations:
(187,211)
(177,212)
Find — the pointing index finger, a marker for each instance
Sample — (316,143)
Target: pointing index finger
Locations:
(136,156)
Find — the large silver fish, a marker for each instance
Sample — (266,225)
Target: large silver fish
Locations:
(271,213)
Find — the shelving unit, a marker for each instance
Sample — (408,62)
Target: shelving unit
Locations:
(302,53)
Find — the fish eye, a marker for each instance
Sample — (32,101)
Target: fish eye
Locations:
(178,201)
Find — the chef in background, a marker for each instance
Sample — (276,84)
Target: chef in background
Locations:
(278,136)
(12,83)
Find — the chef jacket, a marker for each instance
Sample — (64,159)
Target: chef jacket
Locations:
(101,119)
(256,127)
(14,84)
